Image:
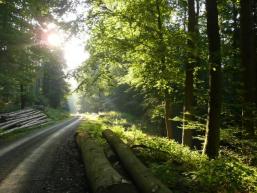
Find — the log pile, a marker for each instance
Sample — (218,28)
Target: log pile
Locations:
(102,176)
(142,177)
(21,119)
(105,177)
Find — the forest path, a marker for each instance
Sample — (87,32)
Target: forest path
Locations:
(45,161)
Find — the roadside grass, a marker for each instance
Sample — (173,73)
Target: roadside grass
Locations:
(54,115)
(20,133)
(177,166)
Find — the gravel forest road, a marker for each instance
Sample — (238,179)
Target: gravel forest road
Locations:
(47,161)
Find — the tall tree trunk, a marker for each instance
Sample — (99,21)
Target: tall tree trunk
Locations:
(248,66)
(168,116)
(22,97)
(162,52)
(212,138)
(187,133)
(236,74)
(255,44)
(197,12)
(235,37)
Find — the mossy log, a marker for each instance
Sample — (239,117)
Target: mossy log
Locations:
(103,178)
(142,177)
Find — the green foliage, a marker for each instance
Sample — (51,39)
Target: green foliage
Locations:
(134,43)
(22,53)
(183,170)
(189,124)
(223,174)
(54,87)
(236,145)
(122,98)
(144,44)
(57,114)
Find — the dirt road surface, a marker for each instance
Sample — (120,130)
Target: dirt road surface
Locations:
(46,161)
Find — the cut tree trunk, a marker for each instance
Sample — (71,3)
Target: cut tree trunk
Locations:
(141,176)
(21,119)
(7,116)
(34,122)
(101,175)
(38,123)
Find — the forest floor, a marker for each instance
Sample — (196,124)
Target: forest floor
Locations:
(45,161)
(48,160)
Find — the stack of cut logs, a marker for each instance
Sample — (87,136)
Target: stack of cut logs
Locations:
(101,167)
(21,119)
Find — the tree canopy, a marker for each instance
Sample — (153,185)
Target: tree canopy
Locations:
(24,54)
(183,57)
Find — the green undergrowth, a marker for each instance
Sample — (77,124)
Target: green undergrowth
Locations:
(56,114)
(181,169)
(239,147)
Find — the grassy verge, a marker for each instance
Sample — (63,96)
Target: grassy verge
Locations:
(56,114)
(20,133)
(181,169)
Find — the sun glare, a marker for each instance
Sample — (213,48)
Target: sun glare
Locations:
(74,53)
(51,26)
(52,35)
(54,39)
(73,48)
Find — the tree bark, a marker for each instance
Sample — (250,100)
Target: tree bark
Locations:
(255,48)
(102,177)
(168,117)
(212,138)
(187,133)
(236,35)
(248,66)
(142,176)
(22,96)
